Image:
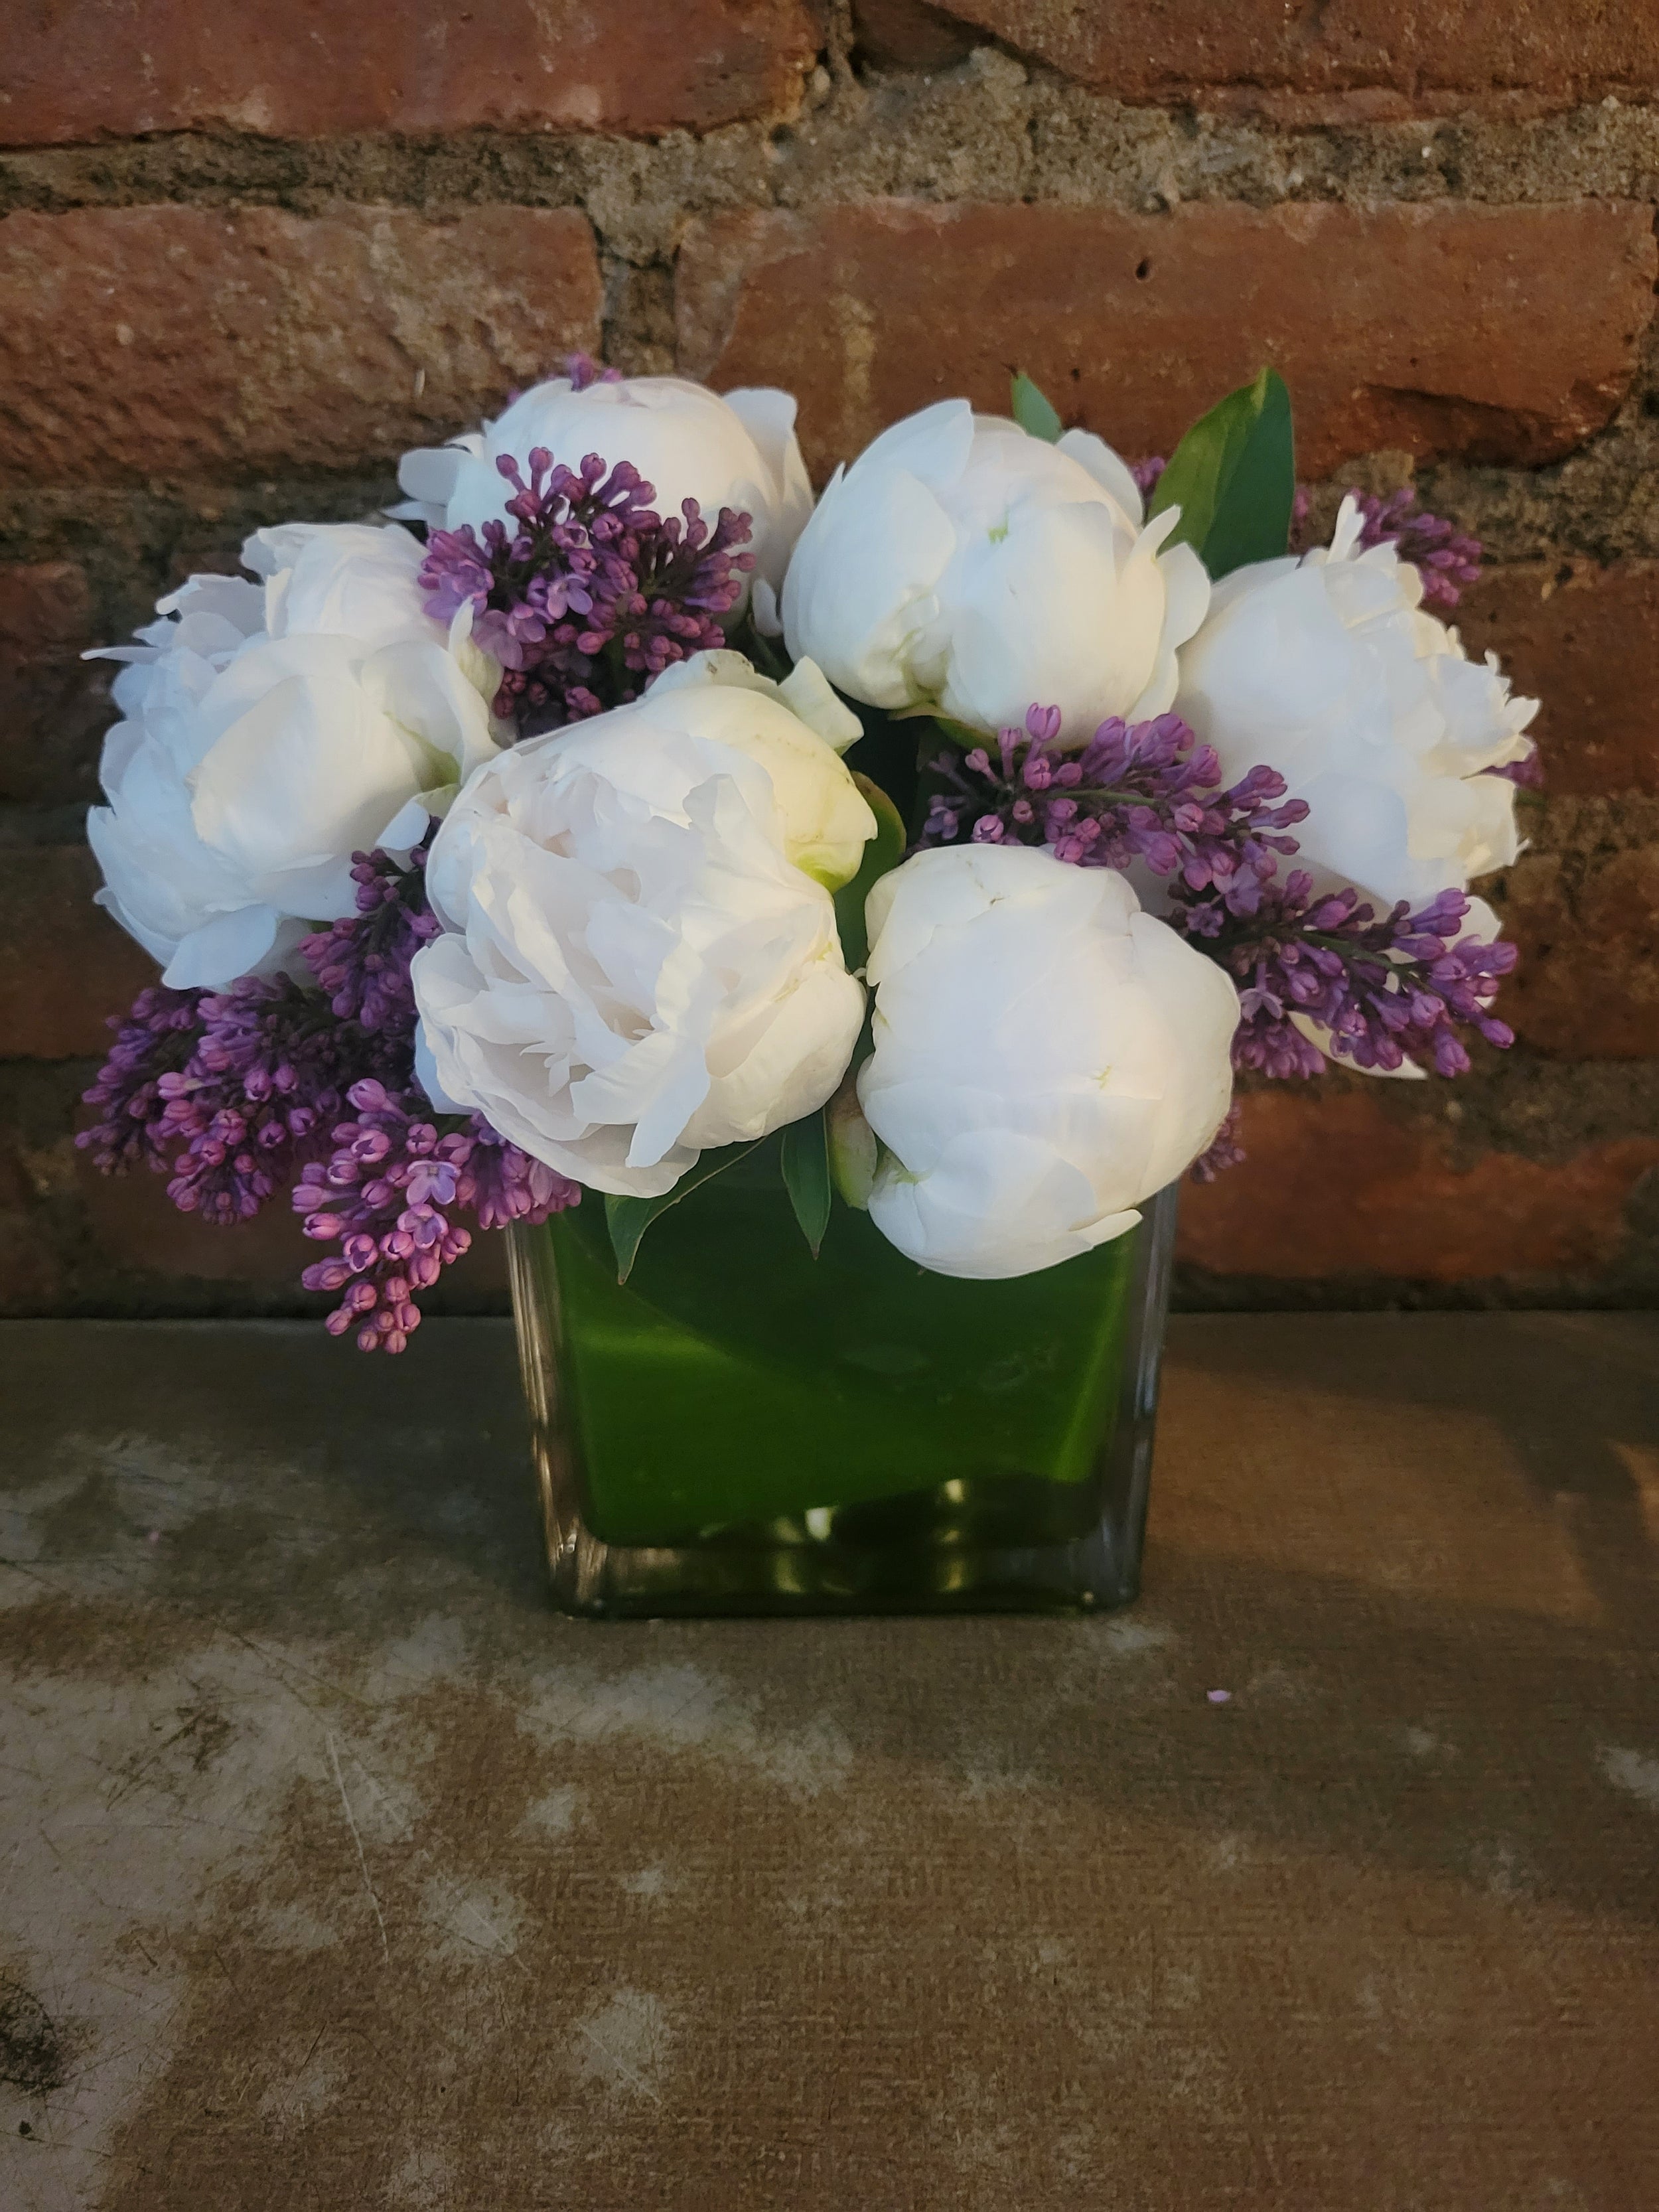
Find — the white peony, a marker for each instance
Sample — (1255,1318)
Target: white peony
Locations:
(355,579)
(963,566)
(269,732)
(635,969)
(1327,669)
(1047,1057)
(738,451)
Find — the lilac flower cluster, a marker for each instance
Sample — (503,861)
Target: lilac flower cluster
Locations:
(587,593)
(1144,792)
(221,1091)
(1385,988)
(1447,558)
(362,963)
(387,1193)
(237,1094)
(1380,989)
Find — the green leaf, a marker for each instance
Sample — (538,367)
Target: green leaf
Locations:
(628,1219)
(1233,476)
(805,1157)
(766,652)
(883,851)
(1034,413)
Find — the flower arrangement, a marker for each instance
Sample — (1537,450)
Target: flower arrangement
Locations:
(613,808)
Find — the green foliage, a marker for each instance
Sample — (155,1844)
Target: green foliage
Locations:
(628,1219)
(1035,414)
(1233,476)
(883,851)
(805,1157)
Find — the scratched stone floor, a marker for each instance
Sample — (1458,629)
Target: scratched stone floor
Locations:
(336,1871)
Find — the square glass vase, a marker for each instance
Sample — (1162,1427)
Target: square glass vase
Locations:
(743,1429)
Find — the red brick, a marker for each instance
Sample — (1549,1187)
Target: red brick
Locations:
(1335,1185)
(1346,58)
(137,343)
(32,1278)
(1584,641)
(1502,334)
(1588,984)
(135,1230)
(64,965)
(909,34)
(92,69)
(53,704)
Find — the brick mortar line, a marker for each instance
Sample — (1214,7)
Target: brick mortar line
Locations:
(989,132)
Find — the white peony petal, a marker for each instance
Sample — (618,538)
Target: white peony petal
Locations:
(634,967)
(1109,471)
(1328,669)
(1047,1057)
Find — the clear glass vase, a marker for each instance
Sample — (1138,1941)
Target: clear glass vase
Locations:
(743,1429)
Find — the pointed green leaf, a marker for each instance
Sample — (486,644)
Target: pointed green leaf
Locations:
(1034,413)
(1233,476)
(628,1219)
(805,1155)
(883,851)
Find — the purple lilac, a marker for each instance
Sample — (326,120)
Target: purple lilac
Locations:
(1447,558)
(1137,792)
(237,1093)
(156,1039)
(361,963)
(222,1092)
(1387,988)
(582,370)
(268,1074)
(1223,1151)
(587,593)
(387,1193)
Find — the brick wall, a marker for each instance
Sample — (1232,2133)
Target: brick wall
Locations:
(246,258)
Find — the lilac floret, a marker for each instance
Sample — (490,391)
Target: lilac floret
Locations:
(274,1085)
(585,592)
(1381,989)
(388,1192)
(1447,558)
(1144,791)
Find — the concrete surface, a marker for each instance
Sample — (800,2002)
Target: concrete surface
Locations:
(337,1872)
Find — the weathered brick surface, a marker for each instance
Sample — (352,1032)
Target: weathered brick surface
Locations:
(53,705)
(1584,641)
(1337,1185)
(132,1232)
(1348,58)
(64,965)
(88,69)
(1587,927)
(134,1229)
(137,343)
(1134,324)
